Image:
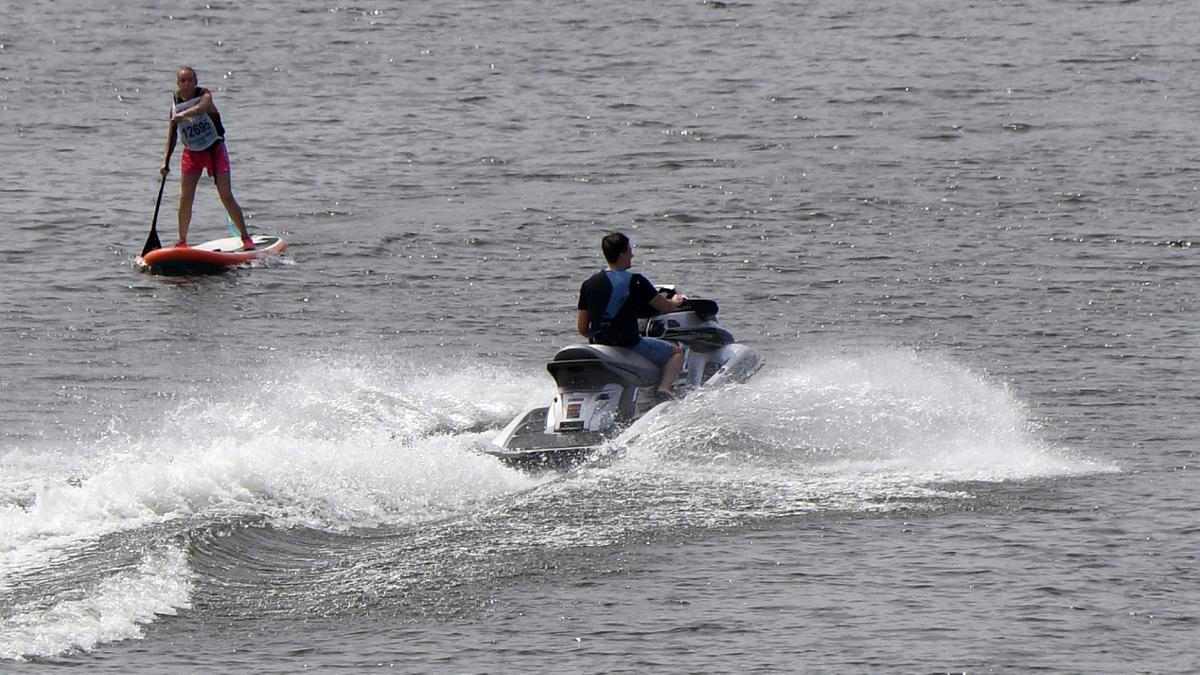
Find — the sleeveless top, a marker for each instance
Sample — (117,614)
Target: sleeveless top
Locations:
(202,131)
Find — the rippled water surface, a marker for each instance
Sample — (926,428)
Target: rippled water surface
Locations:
(960,234)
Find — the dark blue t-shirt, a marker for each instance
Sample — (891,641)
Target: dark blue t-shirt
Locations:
(613,300)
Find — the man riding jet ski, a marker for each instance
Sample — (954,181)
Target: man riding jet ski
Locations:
(624,371)
(612,300)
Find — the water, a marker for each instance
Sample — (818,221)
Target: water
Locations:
(960,234)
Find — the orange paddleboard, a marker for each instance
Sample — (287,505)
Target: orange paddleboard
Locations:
(210,257)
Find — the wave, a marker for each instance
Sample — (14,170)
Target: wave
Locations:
(105,609)
(921,417)
(328,446)
(367,450)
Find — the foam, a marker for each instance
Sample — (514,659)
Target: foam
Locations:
(895,415)
(351,443)
(116,608)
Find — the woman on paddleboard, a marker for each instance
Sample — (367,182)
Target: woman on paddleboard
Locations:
(195,118)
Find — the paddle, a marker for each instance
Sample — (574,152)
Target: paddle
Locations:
(152,242)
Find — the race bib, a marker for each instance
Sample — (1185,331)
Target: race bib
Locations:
(198,132)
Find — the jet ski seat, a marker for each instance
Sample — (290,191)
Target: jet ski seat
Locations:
(595,365)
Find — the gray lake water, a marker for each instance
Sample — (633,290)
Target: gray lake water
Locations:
(958,232)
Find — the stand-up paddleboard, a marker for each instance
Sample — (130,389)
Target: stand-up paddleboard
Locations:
(211,257)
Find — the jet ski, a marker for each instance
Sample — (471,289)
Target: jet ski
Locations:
(601,389)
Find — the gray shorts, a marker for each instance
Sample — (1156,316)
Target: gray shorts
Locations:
(658,351)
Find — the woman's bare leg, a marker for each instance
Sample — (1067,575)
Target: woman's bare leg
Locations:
(225,190)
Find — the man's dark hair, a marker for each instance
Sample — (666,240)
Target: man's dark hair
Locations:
(614,245)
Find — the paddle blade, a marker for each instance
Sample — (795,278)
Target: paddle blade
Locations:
(152,243)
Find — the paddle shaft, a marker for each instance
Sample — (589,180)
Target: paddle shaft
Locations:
(152,241)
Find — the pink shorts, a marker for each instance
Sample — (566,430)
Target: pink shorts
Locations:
(215,159)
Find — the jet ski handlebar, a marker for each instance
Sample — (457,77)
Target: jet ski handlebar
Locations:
(703,307)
